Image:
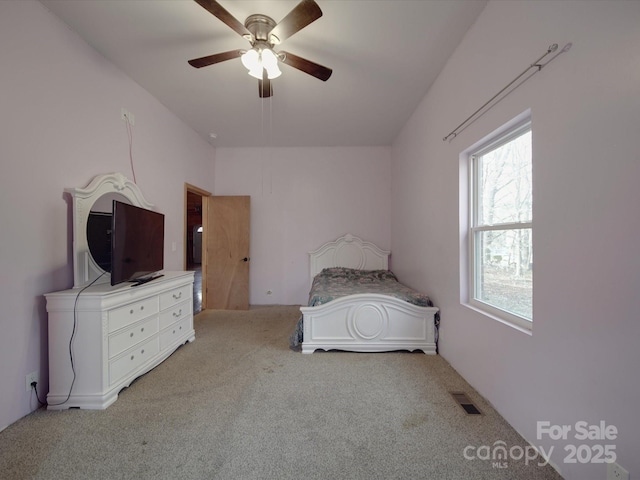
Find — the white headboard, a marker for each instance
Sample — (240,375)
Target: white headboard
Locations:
(348,251)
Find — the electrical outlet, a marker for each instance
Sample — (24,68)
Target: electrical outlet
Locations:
(127,116)
(32,377)
(616,472)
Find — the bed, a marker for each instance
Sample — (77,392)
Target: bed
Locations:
(356,304)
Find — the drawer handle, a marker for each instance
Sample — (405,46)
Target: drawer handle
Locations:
(131,357)
(142,352)
(141,307)
(142,329)
(177,314)
(131,334)
(174,331)
(131,311)
(176,297)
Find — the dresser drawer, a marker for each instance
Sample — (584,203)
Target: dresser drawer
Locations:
(133,359)
(123,316)
(175,296)
(127,338)
(172,315)
(169,336)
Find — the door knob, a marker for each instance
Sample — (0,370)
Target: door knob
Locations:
(245,259)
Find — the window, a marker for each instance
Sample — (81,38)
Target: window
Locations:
(501,226)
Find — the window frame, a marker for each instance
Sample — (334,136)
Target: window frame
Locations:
(494,141)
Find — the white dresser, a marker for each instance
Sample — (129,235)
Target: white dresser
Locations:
(116,333)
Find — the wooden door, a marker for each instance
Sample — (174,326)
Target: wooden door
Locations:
(227,252)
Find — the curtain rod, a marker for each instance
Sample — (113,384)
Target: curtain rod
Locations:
(535,64)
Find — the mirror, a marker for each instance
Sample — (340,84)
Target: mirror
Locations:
(99,229)
(92,206)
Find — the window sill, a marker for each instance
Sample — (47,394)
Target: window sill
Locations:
(510,323)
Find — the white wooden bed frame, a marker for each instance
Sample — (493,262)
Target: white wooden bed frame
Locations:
(364,322)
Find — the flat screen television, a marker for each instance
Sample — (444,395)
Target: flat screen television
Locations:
(137,244)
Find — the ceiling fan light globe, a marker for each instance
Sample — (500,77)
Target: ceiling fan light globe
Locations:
(270,63)
(256,72)
(269,58)
(273,71)
(251,60)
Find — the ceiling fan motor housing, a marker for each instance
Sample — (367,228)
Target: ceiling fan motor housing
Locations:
(260,25)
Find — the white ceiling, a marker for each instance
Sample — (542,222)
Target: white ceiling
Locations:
(384,54)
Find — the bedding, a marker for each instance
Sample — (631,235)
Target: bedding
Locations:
(337,282)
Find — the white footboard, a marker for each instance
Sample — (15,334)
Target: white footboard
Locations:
(368,323)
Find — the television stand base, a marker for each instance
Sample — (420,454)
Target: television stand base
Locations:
(142,281)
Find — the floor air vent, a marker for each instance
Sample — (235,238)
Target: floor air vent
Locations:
(466,404)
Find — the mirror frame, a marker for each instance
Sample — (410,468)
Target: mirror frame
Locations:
(85,269)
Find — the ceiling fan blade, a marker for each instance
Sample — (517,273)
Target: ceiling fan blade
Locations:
(216,58)
(307,66)
(218,11)
(303,14)
(264,86)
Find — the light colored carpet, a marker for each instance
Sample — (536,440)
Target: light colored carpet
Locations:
(238,404)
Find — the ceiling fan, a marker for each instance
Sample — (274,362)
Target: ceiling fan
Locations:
(263,33)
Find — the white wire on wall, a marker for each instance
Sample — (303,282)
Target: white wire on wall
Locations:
(127,121)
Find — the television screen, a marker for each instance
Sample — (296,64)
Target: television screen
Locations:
(137,243)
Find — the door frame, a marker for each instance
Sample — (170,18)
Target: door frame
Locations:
(204,194)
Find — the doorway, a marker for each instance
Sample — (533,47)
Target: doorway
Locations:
(194,232)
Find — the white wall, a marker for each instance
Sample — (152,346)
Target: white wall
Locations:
(582,360)
(60,126)
(300,199)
